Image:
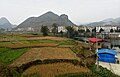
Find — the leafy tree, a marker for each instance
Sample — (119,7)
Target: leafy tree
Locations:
(111,30)
(44,30)
(101,30)
(87,31)
(61,32)
(70,31)
(81,30)
(55,29)
(76,33)
(94,30)
(117,30)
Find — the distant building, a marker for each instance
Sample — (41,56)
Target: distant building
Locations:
(92,41)
(20,29)
(106,28)
(25,29)
(82,27)
(30,29)
(114,35)
(62,28)
(75,28)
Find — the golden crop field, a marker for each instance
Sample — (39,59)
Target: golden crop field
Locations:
(50,70)
(45,53)
(46,37)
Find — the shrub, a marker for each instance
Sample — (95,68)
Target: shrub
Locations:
(6,71)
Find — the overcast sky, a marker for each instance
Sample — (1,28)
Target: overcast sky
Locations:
(79,11)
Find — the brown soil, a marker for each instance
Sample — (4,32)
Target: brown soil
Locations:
(50,70)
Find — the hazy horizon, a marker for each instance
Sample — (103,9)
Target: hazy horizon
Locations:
(78,11)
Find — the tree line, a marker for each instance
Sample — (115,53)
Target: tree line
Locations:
(71,32)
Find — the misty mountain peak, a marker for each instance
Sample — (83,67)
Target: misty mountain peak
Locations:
(3,21)
(47,19)
(3,18)
(108,20)
(49,14)
(5,24)
(64,16)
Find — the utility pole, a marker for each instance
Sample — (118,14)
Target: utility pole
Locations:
(97,69)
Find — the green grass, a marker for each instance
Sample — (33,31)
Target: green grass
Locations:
(67,42)
(33,75)
(18,38)
(42,41)
(74,75)
(9,55)
(63,42)
(11,40)
(4,43)
(3,49)
(13,37)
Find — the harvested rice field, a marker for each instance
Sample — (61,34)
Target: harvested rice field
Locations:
(47,37)
(17,42)
(32,55)
(51,70)
(45,53)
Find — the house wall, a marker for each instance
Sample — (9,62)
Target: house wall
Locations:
(94,44)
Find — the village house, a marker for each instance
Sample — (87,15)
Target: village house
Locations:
(92,41)
(62,28)
(82,27)
(75,28)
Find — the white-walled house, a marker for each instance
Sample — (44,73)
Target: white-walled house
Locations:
(20,29)
(75,28)
(106,28)
(62,28)
(30,29)
(25,29)
(90,28)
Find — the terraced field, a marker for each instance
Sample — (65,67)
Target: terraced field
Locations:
(46,56)
(45,53)
(47,37)
(18,42)
(51,70)
(8,56)
(18,46)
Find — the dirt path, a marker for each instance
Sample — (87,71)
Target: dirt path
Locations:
(115,68)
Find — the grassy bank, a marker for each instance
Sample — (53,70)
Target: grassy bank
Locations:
(9,55)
